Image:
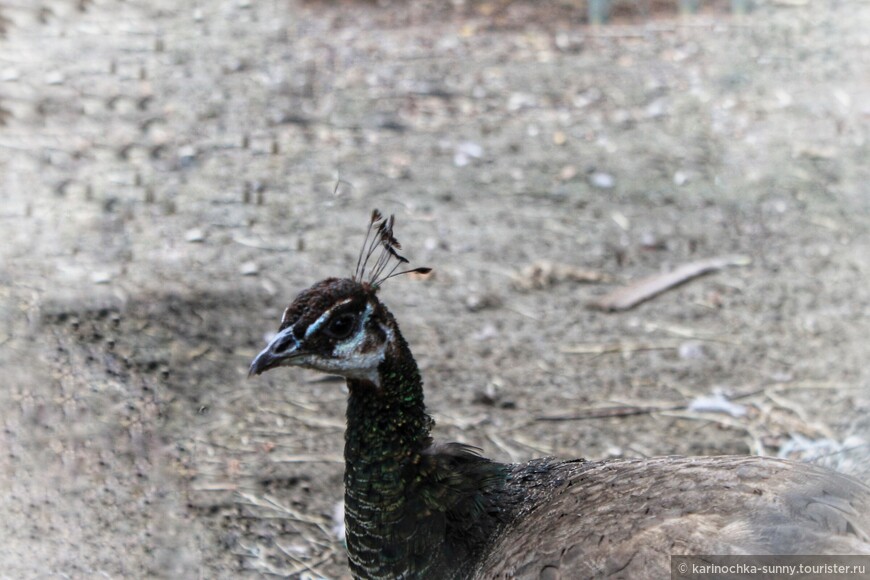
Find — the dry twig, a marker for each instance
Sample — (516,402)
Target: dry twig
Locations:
(630,296)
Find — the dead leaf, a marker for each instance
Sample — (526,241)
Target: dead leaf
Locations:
(544,274)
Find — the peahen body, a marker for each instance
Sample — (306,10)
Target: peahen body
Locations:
(419,509)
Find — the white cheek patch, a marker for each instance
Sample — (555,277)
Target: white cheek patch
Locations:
(349,360)
(364,367)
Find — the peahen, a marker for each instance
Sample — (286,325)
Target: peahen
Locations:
(419,509)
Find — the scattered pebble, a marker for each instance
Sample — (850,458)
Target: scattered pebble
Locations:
(492,395)
(488,332)
(249,269)
(602,180)
(583,100)
(691,350)
(657,108)
(519,101)
(269,287)
(194,236)
(466,152)
(568,173)
(55,78)
(187,155)
(567,42)
(649,241)
(812,151)
(298,550)
(717,403)
(101,277)
(781,377)
(486,396)
(620,220)
(783,99)
(477,302)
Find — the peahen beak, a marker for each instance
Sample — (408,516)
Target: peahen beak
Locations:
(283,350)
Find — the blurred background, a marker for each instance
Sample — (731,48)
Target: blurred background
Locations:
(172,174)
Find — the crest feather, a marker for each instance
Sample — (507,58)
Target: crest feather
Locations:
(386,246)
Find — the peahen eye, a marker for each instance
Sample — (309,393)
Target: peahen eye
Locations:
(341,326)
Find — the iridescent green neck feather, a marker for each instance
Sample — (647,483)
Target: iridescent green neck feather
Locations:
(411,510)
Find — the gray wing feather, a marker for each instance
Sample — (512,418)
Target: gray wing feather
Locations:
(626,518)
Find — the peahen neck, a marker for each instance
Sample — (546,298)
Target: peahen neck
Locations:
(400,514)
(387,429)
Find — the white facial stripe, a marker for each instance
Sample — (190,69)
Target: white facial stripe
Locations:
(323,318)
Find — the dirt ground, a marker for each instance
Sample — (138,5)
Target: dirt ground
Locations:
(171,178)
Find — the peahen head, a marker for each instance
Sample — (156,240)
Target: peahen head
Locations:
(338,325)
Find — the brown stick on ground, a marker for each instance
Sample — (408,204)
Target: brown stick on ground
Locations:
(630,296)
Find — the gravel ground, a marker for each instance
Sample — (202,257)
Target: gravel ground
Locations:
(171,178)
